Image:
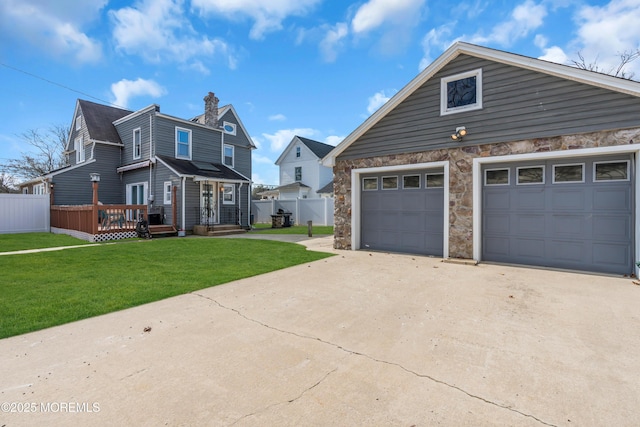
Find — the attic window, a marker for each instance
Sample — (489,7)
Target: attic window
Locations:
(78,122)
(461,92)
(297,151)
(229,128)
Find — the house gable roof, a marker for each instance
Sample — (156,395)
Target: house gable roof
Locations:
(461,48)
(319,149)
(99,120)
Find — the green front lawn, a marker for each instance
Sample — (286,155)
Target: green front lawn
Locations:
(296,229)
(45,289)
(23,241)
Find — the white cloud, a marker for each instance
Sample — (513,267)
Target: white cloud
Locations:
(158,31)
(334,140)
(260,159)
(267,15)
(607,31)
(279,140)
(53,27)
(438,38)
(125,89)
(333,41)
(376,101)
(553,53)
(375,13)
(525,18)
(278,118)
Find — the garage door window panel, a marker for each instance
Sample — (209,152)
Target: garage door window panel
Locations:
(530,175)
(411,182)
(434,180)
(568,174)
(611,171)
(496,177)
(370,184)
(389,182)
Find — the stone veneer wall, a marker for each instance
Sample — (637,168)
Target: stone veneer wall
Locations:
(460,178)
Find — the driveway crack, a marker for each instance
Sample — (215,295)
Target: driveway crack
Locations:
(374,359)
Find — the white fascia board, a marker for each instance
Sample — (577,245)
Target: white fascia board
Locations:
(136,113)
(116,144)
(133,166)
(287,149)
(72,127)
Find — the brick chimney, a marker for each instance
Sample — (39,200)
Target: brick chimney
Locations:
(211,110)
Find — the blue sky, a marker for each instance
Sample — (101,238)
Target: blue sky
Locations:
(312,68)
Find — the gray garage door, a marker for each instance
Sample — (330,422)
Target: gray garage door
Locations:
(403,212)
(575,214)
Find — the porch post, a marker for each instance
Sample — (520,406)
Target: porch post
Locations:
(94,210)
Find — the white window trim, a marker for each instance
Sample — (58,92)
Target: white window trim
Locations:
(443,92)
(367,179)
(78,122)
(139,130)
(298,152)
(145,191)
(167,194)
(295,175)
(233,155)
(497,169)
(610,180)
(233,125)
(233,194)
(553,174)
(412,188)
(188,157)
(39,189)
(388,189)
(78,145)
(531,167)
(426,181)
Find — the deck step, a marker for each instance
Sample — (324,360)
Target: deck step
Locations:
(225,230)
(162,230)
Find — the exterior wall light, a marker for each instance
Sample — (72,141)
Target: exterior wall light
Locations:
(460,133)
(95,177)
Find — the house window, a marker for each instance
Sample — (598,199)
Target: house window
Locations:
(137,143)
(369,184)
(229,128)
(298,173)
(183,143)
(79,147)
(611,171)
(228,195)
(137,193)
(434,180)
(167,192)
(78,122)
(297,151)
(568,173)
(411,181)
(228,155)
(530,175)
(389,182)
(38,189)
(496,177)
(461,92)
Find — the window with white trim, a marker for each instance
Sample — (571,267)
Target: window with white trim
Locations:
(79,147)
(38,189)
(571,173)
(617,170)
(528,175)
(166,190)
(298,151)
(496,177)
(78,122)
(410,182)
(389,182)
(298,173)
(228,194)
(183,143)
(229,128)
(228,155)
(461,92)
(434,180)
(137,143)
(369,184)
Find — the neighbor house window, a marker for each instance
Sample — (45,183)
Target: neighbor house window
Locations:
(411,181)
(79,147)
(137,143)
(461,92)
(568,173)
(228,195)
(298,173)
(434,180)
(496,177)
(167,192)
(369,184)
(611,171)
(38,189)
(297,151)
(78,122)
(183,143)
(228,155)
(530,175)
(389,182)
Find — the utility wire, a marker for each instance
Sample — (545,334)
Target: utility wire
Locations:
(58,84)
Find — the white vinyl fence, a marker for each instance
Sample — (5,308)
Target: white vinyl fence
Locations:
(24,213)
(320,211)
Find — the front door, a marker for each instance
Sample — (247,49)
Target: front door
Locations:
(208,203)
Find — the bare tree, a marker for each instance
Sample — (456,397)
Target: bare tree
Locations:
(7,184)
(46,153)
(626,58)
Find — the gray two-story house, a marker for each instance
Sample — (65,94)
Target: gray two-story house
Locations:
(146,157)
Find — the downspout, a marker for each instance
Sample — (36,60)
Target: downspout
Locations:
(249,225)
(184,198)
(240,204)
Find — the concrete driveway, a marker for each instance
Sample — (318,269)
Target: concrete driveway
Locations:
(358,339)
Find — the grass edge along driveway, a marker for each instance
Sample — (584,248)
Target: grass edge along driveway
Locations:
(45,289)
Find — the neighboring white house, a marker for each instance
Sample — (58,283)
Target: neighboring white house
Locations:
(302,175)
